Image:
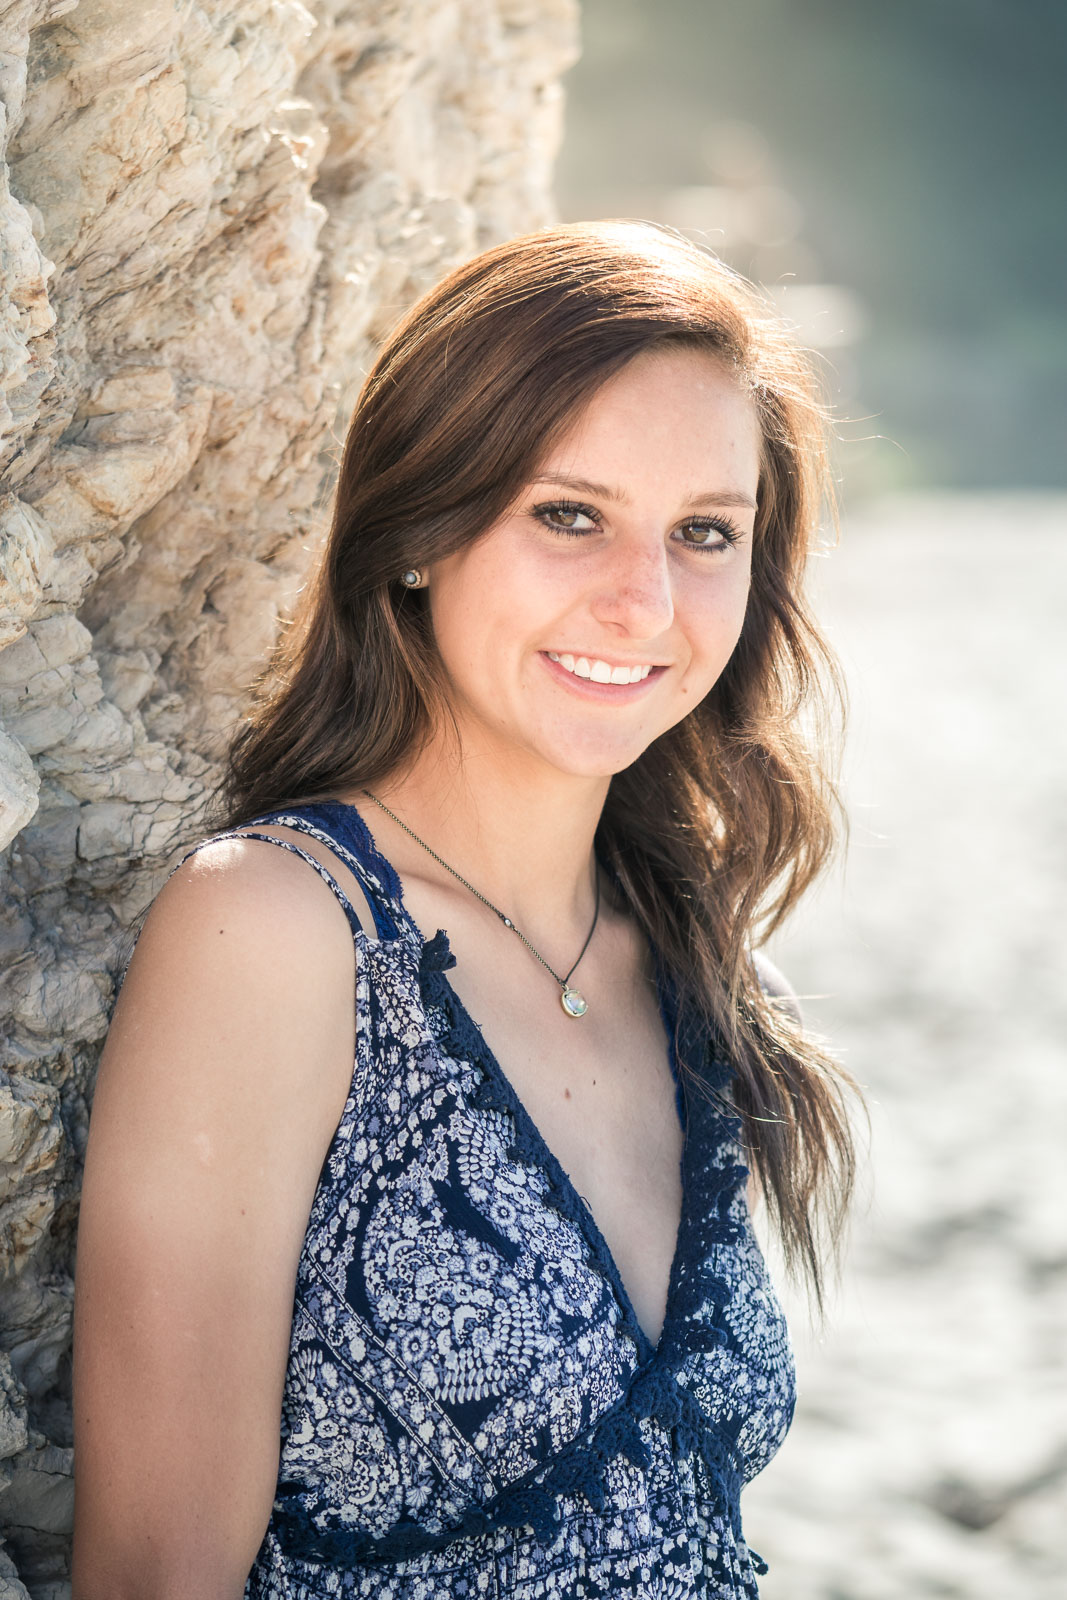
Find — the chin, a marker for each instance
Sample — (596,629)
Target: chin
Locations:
(594,758)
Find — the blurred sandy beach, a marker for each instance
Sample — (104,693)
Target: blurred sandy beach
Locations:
(929,1452)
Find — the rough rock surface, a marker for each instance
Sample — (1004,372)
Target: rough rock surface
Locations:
(209,215)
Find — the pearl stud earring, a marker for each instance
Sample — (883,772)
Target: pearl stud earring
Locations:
(412,579)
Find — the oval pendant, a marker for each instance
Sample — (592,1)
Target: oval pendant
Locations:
(573,1003)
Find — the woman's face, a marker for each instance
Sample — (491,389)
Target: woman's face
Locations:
(602,607)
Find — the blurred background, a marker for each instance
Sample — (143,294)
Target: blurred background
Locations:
(892,176)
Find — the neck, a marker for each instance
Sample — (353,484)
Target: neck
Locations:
(521,833)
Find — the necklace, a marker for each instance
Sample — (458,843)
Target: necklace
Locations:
(573,1003)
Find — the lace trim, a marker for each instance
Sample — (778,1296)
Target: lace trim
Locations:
(533,1500)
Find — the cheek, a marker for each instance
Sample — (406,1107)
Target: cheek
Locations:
(460,636)
(714,626)
(481,608)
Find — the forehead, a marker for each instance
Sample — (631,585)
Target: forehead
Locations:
(677,408)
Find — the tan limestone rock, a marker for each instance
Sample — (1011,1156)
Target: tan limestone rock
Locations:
(208,216)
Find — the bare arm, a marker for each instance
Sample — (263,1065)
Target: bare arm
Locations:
(222,1081)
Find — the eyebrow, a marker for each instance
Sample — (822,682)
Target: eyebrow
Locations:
(603,491)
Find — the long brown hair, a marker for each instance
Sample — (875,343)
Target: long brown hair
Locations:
(720,825)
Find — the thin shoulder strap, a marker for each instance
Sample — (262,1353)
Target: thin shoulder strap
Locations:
(342,830)
(293,819)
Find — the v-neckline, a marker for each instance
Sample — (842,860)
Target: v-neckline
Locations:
(578,1208)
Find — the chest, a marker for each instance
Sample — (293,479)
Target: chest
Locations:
(599,1089)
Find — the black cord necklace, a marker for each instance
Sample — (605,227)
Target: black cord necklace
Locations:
(573,1003)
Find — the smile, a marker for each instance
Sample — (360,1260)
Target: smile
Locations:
(599,671)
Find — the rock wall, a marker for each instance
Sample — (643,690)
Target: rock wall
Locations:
(209,215)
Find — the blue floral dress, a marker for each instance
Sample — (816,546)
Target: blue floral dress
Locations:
(471,1407)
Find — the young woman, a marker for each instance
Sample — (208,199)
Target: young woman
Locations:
(484,1314)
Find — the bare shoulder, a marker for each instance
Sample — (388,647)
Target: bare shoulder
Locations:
(234,1031)
(777,986)
(247,870)
(246,936)
(222,1080)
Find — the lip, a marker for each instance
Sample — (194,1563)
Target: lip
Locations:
(616,693)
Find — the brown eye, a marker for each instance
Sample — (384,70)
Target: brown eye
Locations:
(565,517)
(714,533)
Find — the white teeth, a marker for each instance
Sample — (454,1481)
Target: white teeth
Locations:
(599,671)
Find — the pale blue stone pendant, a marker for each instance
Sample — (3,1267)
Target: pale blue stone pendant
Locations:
(574,1004)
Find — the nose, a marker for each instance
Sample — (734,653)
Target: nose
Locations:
(634,592)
